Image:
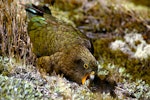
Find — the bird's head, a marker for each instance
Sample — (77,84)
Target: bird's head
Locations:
(81,65)
(87,66)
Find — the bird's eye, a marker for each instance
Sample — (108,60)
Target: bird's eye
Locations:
(86,66)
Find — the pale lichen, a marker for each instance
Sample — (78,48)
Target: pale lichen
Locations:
(54,87)
(137,90)
(11,88)
(132,41)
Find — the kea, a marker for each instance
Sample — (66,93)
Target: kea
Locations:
(60,47)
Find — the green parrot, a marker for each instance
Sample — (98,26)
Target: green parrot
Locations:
(59,46)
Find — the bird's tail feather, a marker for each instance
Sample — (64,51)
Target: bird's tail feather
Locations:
(33,10)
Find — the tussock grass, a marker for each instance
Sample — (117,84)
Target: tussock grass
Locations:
(14,38)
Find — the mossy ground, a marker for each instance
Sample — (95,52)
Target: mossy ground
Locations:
(141,2)
(137,68)
(105,21)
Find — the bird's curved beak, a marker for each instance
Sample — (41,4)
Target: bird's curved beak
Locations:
(89,75)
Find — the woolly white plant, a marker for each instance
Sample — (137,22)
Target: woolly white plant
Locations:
(142,49)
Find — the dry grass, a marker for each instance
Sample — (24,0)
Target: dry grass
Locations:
(13,29)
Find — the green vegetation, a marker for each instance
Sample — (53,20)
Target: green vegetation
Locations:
(139,69)
(17,89)
(103,22)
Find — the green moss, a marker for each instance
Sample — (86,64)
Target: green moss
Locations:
(107,17)
(1,67)
(141,2)
(17,89)
(5,68)
(68,4)
(137,68)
